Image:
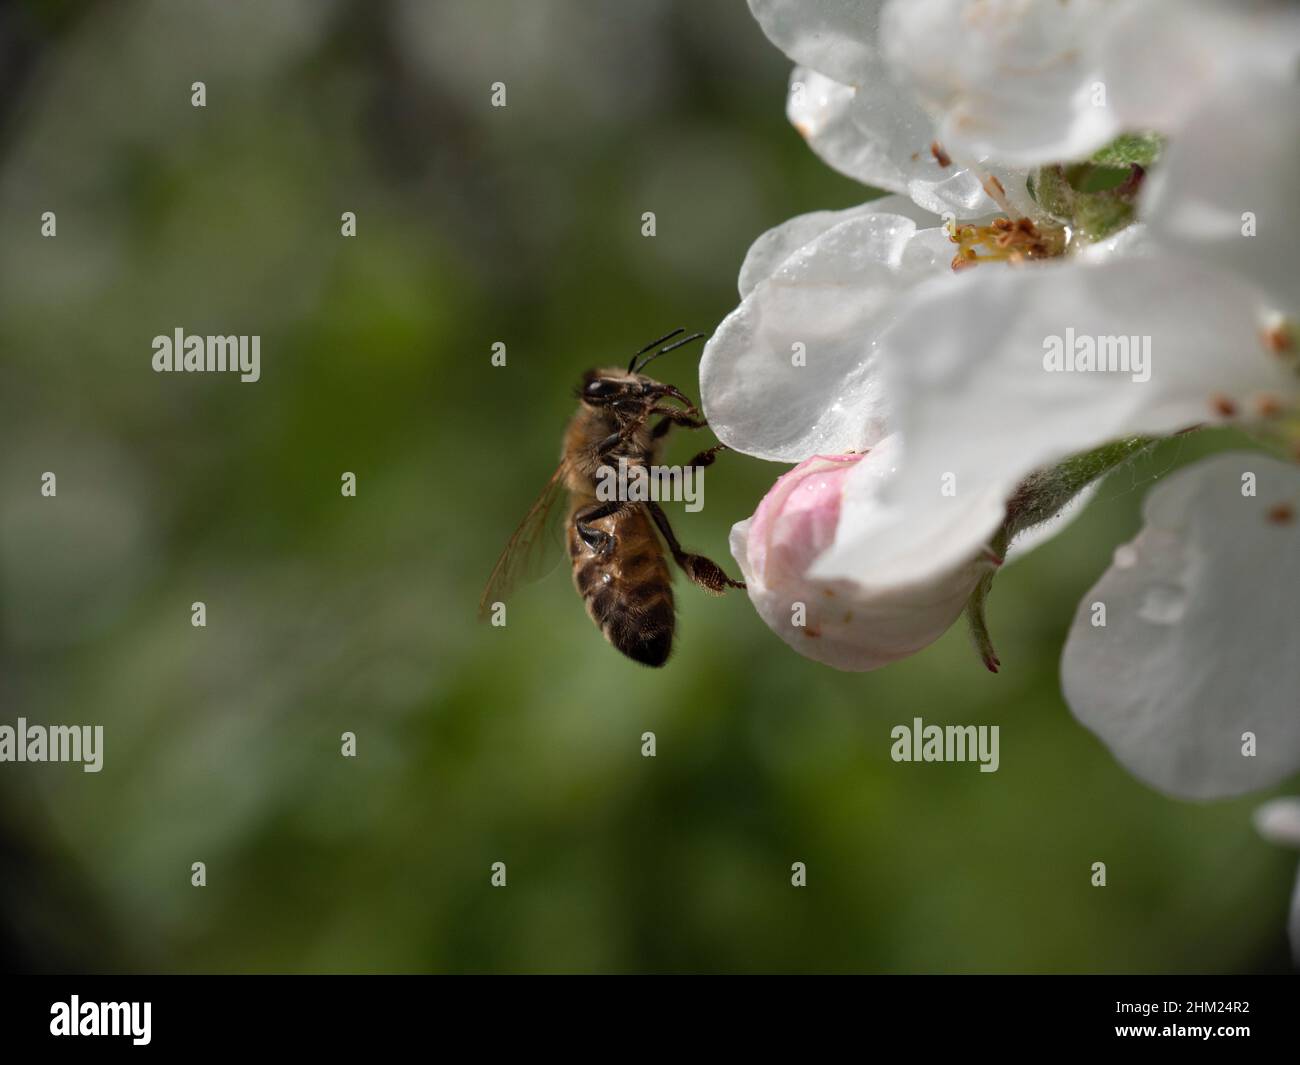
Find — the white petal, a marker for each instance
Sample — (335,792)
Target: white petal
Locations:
(878,135)
(1237,160)
(1164,58)
(780,242)
(1278,821)
(869,507)
(978,410)
(1198,648)
(832,296)
(835,37)
(965,369)
(1015,81)
(844,625)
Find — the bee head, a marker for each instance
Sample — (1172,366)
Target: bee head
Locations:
(611,387)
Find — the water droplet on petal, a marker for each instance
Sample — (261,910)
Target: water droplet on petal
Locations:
(1164,604)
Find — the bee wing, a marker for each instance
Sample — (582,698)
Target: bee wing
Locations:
(532,546)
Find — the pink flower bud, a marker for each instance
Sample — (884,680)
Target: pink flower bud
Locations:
(838,622)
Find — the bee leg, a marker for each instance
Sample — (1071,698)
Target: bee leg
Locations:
(703,571)
(669,392)
(687,419)
(706,457)
(601,543)
(609,444)
(682,418)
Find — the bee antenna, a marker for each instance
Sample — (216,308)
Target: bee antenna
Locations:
(664,351)
(653,344)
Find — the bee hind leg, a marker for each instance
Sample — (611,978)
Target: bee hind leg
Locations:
(702,571)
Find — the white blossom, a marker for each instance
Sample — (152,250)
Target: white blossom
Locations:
(853,333)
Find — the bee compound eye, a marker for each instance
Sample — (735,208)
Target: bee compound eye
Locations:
(600,387)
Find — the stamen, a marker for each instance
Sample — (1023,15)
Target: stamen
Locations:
(1279,338)
(940,156)
(997,193)
(1269,406)
(1222,405)
(1005,240)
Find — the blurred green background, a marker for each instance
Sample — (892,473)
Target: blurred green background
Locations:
(326,614)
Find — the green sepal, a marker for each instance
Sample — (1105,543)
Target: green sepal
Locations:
(1128,149)
(1100,178)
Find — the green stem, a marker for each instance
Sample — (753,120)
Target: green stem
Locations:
(1041,496)
(979,628)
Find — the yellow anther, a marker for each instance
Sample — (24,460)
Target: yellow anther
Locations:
(1005,241)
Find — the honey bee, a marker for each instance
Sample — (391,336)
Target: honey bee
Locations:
(618,563)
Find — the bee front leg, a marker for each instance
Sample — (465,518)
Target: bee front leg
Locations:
(601,543)
(674,417)
(706,457)
(687,419)
(703,571)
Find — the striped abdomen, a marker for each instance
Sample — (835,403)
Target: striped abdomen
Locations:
(628,593)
